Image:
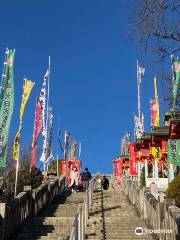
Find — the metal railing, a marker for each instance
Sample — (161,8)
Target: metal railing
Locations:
(81,217)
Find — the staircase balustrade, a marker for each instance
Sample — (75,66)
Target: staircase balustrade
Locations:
(163,218)
(16,212)
(81,218)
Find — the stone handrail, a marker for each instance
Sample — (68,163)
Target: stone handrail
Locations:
(162,218)
(27,204)
(81,217)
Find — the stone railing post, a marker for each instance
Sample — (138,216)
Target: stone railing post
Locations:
(2,219)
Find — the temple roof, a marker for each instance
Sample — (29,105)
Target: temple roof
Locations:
(160,131)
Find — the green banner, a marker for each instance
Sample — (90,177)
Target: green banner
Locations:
(6,104)
(174,151)
(176,82)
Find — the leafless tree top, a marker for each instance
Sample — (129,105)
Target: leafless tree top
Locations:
(157,23)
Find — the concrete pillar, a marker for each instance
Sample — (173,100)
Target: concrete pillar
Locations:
(154,190)
(155,169)
(139,172)
(146,169)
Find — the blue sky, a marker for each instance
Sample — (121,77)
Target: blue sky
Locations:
(93,70)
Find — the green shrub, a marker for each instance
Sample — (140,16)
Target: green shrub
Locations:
(173,191)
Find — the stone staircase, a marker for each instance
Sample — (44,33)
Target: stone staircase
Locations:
(113,217)
(55,221)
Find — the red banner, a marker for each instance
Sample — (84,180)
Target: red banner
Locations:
(117,167)
(132,160)
(153,113)
(37,128)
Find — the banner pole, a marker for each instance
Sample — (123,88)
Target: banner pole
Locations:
(16,179)
(57,165)
(47,113)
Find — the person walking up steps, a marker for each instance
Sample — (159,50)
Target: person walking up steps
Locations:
(105,183)
(85,178)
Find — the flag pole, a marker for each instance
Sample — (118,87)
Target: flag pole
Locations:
(139,100)
(47,112)
(57,165)
(17,169)
(17,164)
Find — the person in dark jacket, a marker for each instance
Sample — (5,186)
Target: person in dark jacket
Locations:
(105,183)
(85,178)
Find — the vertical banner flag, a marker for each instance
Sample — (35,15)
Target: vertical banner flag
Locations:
(42,100)
(139,120)
(139,126)
(38,123)
(157,153)
(60,144)
(73,150)
(66,145)
(27,88)
(153,113)
(176,80)
(6,104)
(80,150)
(132,160)
(174,151)
(157,118)
(49,156)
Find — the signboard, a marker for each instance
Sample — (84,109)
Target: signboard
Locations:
(160,182)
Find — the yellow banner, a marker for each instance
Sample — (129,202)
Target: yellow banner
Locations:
(16,145)
(157,118)
(157,153)
(28,85)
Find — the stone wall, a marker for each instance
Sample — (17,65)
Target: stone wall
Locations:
(26,205)
(162,218)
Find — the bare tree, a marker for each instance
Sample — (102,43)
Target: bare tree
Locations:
(155,25)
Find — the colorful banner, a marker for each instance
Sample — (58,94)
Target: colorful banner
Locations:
(49,156)
(132,160)
(42,99)
(47,147)
(139,126)
(66,145)
(73,150)
(157,117)
(37,129)
(27,88)
(6,104)
(156,152)
(140,73)
(80,150)
(174,151)
(153,107)
(125,145)
(176,80)
(60,144)
(117,165)
(16,145)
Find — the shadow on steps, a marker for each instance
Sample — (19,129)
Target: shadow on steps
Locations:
(40,227)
